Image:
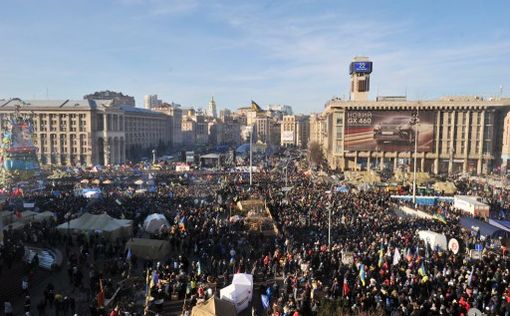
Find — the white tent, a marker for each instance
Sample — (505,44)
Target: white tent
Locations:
(239,295)
(435,240)
(103,223)
(243,279)
(154,222)
(91,193)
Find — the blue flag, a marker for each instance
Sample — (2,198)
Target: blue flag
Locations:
(129,254)
(265,301)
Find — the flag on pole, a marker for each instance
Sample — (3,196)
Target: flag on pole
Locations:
(129,254)
(381,258)
(396,257)
(155,278)
(421,271)
(471,276)
(345,288)
(265,301)
(362,274)
(100,295)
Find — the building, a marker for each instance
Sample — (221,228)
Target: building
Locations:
(360,70)
(151,101)
(146,130)
(318,129)
(173,110)
(117,98)
(449,135)
(284,109)
(90,132)
(453,134)
(295,130)
(211,108)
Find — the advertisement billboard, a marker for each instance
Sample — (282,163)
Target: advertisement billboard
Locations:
(288,136)
(364,67)
(388,131)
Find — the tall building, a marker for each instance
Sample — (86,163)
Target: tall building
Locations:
(90,132)
(175,112)
(151,101)
(467,134)
(295,130)
(318,129)
(117,98)
(360,70)
(211,109)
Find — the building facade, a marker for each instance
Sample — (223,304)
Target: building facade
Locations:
(295,130)
(450,135)
(151,101)
(90,132)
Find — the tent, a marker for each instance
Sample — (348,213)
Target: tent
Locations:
(238,295)
(154,222)
(214,307)
(152,249)
(91,193)
(435,240)
(88,223)
(243,279)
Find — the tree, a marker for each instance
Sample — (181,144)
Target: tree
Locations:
(315,154)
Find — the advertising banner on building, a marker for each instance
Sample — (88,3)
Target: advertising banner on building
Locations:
(288,136)
(388,131)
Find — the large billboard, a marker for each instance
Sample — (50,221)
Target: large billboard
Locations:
(388,131)
(361,67)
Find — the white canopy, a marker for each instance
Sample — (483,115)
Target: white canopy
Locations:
(154,222)
(243,279)
(239,295)
(103,223)
(435,240)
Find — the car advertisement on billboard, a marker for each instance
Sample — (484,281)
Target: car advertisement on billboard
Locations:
(388,131)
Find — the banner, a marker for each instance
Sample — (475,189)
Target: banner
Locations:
(388,131)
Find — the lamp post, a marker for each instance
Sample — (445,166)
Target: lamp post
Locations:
(414,121)
(153,156)
(251,136)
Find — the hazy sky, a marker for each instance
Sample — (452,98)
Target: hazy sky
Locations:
(293,52)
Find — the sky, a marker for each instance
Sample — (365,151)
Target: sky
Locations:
(294,52)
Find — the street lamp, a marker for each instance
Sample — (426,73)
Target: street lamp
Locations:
(414,121)
(153,156)
(251,136)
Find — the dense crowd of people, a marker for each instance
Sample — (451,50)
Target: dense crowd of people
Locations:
(334,252)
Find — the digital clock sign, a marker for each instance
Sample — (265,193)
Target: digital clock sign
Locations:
(363,67)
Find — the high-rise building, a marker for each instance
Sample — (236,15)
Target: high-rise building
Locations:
(211,109)
(360,70)
(151,101)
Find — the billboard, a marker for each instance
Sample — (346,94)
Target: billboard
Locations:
(364,67)
(388,131)
(288,136)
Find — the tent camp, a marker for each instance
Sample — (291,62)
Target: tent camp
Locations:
(104,224)
(435,240)
(152,249)
(214,307)
(238,295)
(154,222)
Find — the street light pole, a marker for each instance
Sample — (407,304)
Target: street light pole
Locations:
(415,120)
(251,178)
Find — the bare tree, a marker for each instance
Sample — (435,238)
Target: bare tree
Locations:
(315,155)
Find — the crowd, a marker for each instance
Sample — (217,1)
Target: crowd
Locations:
(334,252)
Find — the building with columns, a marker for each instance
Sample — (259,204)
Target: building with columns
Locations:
(451,135)
(89,132)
